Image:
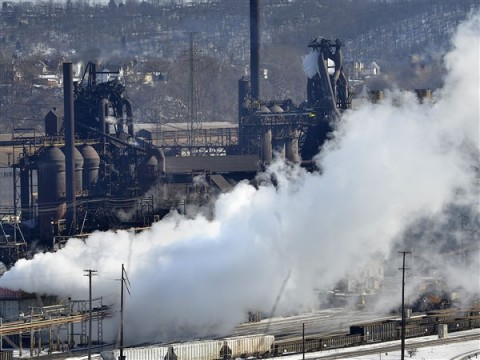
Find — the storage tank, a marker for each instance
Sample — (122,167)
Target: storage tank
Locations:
(51,188)
(276,109)
(264,109)
(91,165)
(78,159)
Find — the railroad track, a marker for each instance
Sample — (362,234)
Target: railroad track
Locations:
(396,347)
(319,322)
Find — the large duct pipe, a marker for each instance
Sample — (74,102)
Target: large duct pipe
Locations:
(25,193)
(243,94)
(102,115)
(292,146)
(69,147)
(255,48)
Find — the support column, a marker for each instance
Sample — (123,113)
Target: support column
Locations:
(292,146)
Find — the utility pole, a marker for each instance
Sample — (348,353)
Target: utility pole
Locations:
(303,341)
(90,273)
(124,283)
(402,347)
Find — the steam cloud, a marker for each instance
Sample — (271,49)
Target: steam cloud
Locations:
(388,165)
(310,63)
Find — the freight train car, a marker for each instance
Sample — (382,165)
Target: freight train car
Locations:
(297,345)
(386,330)
(376,331)
(228,348)
(262,346)
(418,330)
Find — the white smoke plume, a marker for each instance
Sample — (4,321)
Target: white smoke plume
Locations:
(310,63)
(388,164)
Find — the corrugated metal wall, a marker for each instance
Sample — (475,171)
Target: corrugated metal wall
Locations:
(6,187)
(10,309)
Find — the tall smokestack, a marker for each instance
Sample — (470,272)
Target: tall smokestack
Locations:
(69,147)
(255,47)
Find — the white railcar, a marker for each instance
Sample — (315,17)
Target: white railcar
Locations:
(250,345)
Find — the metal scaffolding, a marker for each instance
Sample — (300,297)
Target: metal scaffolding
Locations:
(58,322)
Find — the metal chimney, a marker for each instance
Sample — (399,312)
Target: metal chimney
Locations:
(69,147)
(255,48)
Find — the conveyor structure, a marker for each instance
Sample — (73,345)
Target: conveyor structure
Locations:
(55,325)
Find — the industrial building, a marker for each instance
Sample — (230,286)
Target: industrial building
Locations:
(93,168)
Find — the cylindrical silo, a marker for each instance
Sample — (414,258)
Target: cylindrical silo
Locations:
(51,189)
(78,164)
(91,165)
(276,109)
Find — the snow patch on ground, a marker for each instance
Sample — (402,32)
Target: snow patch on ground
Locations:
(434,352)
(455,351)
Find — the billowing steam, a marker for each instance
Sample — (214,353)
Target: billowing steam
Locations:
(388,165)
(310,63)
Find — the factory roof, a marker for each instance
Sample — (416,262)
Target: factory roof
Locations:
(152,127)
(213,164)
